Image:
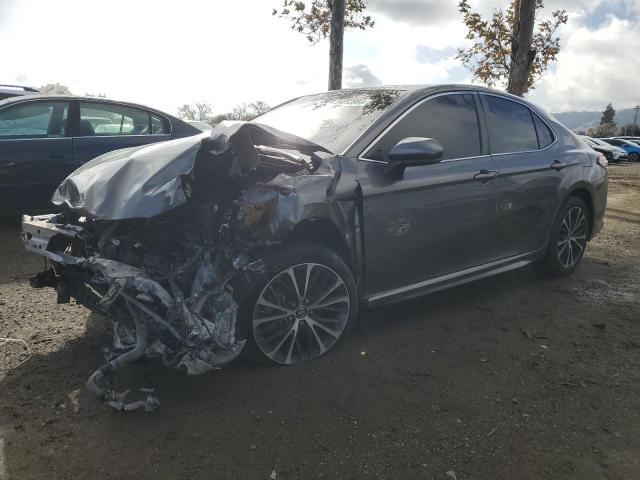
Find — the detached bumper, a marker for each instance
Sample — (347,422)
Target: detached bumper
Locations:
(38,232)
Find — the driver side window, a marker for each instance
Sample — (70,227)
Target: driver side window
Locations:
(451,119)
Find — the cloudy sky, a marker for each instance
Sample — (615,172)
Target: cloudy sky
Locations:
(166,53)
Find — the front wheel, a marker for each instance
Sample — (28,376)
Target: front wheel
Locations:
(634,157)
(568,239)
(300,307)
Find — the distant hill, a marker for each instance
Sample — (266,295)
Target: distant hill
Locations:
(584,120)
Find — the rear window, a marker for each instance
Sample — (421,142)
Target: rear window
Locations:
(98,119)
(545,137)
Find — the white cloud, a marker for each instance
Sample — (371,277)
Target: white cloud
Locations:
(165,53)
(360,76)
(593,69)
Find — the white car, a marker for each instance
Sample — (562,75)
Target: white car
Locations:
(7,91)
(618,154)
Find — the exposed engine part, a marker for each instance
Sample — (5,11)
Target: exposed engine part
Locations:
(156,240)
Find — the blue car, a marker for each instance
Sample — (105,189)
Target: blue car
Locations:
(45,138)
(632,148)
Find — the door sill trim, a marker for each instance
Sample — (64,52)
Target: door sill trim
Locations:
(452,279)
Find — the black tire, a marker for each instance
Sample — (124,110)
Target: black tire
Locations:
(279,262)
(561,258)
(634,157)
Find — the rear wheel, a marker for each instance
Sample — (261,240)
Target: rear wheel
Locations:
(634,157)
(568,239)
(303,304)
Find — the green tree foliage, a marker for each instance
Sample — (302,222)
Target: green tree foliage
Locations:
(607,126)
(198,111)
(246,111)
(491,57)
(55,89)
(313,18)
(608,116)
(203,111)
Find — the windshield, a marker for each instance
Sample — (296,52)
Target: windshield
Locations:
(333,119)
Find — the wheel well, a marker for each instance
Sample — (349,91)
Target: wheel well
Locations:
(585,196)
(319,230)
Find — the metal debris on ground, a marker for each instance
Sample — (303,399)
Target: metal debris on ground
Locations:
(19,341)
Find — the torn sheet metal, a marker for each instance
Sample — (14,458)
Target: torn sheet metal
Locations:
(145,181)
(155,237)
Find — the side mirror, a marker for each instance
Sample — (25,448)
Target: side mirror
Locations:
(410,152)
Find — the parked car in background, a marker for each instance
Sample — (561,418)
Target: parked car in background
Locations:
(200,125)
(7,91)
(630,139)
(632,148)
(45,138)
(322,204)
(613,154)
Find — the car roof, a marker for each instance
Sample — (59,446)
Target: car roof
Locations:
(34,97)
(428,88)
(18,89)
(75,97)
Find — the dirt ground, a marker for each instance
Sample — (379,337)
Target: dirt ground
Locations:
(513,377)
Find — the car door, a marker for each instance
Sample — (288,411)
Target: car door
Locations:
(521,145)
(35,151)
(102,127)
(439,218)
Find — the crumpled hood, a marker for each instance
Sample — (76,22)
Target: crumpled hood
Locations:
(145,181)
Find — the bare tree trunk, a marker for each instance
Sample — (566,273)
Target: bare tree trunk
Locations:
(336,37)
(522,53)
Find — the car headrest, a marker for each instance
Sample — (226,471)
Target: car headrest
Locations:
(85,129)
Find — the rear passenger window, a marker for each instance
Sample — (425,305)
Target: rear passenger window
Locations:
(545,137)
(510,125)
(159,126)
(450,119)
(101,119)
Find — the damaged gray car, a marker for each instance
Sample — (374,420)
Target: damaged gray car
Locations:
(265,236)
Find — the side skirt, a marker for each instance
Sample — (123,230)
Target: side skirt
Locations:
(452,279)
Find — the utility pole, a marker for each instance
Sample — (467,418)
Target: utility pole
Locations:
(635,118)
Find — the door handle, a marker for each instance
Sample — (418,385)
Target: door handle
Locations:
(56,156)
(558,165)
(485,175)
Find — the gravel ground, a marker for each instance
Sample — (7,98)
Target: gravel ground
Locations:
(510,377)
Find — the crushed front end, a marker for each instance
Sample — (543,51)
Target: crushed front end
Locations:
(158,250)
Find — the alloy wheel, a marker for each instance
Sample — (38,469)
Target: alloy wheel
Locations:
(301,313)
(572,237)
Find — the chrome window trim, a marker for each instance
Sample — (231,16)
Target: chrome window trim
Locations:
(3,139)
(407,112)
(371,160)
(447,160)
(443,278)
(533,112)
(361,157)
(155,135)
